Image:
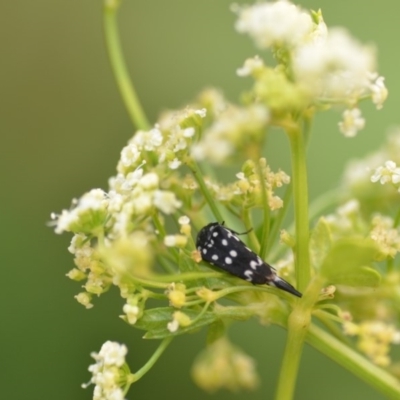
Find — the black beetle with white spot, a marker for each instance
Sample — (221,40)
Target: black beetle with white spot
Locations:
(221,247)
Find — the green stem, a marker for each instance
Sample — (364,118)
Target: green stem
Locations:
(277,223)
(298,324)
(198,176)
(354,362)
(246,217)
(332,326)
(119,69)
(291,359)
(266,289)
(162,281)
(265,232)
(153,359)
(300,198)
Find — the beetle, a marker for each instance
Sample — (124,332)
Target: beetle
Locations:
(222,248)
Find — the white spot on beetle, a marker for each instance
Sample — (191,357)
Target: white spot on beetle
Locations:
(249,274)
(233,253)
(204,251)
(215,234)
(253,264)
(228,260)
(224,242)
(215,257)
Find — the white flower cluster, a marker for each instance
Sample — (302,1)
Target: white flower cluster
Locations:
(136,195)
(113,236)
(329,65)
(385,235)
(335,67)
(107,373)
(248,187)
(133,192)
(168,141)
(380,166)
(275,24)
(87,215)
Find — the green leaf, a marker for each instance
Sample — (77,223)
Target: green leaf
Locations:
(155,322)
(320,242)
(347,263)
(361,276)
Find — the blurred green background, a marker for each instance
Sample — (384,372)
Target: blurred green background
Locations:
(63,125)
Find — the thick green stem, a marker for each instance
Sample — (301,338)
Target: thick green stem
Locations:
(119,69)
(297,330)
(298,324)
(300,199)
(354,362)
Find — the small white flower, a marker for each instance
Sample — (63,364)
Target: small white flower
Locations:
(116,201)
(131,179)
(387,173)
(173,326)
(378,90)
(84,298)
(130,155)
(132,313)
(140,205)
(149,181)
(249,66)
(189,132)
(174,164)
(202,113)
(149,140)
(352,122)
(184,220)
(175,240)
(166,201)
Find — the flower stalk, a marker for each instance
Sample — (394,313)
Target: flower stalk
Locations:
(118,66)
(300,201)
